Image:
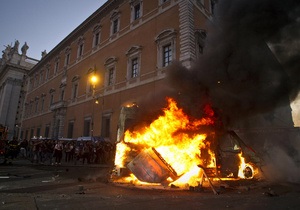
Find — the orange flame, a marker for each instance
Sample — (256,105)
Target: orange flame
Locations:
(177,139)
(245,166)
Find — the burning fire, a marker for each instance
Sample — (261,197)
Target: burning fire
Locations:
(246,171)
(175,141)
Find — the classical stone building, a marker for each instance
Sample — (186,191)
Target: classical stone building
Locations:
(128,44)
(13,69)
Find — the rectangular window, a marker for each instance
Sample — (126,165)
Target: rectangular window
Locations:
(75,88)
(31,107)
(70,129)
(110,76)
(80,50)
(105,131)
(62,95)
(47,131)
(31,133)
(43,102)
(47,74)
(67,60)
(137,11)
(36,106)
(87,127)
(96,39)
(167,55)
(134,67)
(41,78)
(115,26)
(51,99)
(56,67)
(36,83)
(38,132)
(26,134)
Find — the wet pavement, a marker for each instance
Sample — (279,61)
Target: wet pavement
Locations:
(27,186)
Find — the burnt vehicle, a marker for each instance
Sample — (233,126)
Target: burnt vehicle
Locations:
(150,166)
(230,150)
(175,153)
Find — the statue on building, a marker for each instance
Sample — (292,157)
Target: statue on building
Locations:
(44,53)
(24,49)
(16,47)
(6,53)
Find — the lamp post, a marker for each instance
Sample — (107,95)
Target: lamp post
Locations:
(93,81)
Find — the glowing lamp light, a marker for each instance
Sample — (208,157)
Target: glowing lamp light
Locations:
(94,79)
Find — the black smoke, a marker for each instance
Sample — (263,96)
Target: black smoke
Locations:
(250,64)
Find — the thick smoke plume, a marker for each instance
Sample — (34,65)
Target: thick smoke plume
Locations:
(250,66)
(238,73)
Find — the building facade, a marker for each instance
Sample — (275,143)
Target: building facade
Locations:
(127,44)
(13,69)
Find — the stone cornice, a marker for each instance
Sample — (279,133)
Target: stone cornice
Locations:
(13,81)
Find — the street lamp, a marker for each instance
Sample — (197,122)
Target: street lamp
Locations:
(93,81)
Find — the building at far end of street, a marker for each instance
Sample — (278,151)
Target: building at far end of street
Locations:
(13,69)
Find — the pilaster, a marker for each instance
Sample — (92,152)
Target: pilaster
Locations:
(187,34)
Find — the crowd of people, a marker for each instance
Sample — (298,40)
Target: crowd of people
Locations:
(57,152)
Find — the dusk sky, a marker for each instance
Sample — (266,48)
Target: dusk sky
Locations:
(41,23)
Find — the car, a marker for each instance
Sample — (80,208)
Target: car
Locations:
(229,149)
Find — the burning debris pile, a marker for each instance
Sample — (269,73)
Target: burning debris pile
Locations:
(173,149)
